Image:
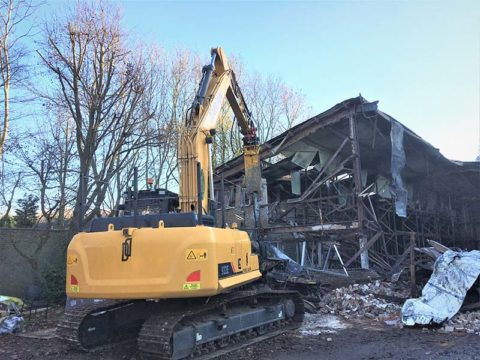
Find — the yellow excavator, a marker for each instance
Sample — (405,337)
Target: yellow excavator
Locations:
(174,282)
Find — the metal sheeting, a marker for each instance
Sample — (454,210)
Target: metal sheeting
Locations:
(397,164)
(304,158)
(383,187)
(297,146)
(326,156)
(302,154)
(293,267)
(453,274)
(296,183)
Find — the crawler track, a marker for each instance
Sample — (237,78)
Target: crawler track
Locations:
(207,331)
(202,328)
(92,326)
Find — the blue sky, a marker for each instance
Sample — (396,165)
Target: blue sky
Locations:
(421,59)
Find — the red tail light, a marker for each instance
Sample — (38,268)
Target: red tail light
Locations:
(73,280)
(194,276)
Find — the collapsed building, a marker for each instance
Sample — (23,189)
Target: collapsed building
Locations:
(352,188)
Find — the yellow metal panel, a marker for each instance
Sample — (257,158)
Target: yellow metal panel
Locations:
(237,280)
(158,266)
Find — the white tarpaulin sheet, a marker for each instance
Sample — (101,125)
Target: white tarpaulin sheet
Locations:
(10,324)
(12,321)
(453,274)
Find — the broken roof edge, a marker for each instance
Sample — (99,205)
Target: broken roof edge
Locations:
(341,106)
(269,144)
(336,113)
(433,150)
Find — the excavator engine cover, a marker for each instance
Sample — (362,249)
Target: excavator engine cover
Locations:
(159,262)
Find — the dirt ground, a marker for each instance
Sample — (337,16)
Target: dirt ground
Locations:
(323,337)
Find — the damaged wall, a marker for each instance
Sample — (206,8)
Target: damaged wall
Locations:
(355,177)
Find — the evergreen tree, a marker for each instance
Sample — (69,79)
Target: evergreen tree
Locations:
(7,221)
(26,213)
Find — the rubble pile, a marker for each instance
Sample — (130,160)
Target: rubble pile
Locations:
(373,300)
(399,291)
(468,322)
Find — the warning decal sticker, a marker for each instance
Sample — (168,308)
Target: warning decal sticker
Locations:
(191,286)
(196,254)
(72,259)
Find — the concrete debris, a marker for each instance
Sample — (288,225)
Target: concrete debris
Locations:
(468,322)
(392,322)
(316,324)
(448,329)
(379,301)
(373,301)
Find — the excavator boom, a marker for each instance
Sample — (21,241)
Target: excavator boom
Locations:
(218,83)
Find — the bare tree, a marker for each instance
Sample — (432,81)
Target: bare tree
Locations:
(48,164)
(228,142)
(101,84)
(13,14)
(63,138)
(10,184)
(176,80)
(122,179)
(275,108)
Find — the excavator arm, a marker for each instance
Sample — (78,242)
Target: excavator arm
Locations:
(217,84)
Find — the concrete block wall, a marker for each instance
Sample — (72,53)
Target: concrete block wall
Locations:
(25,254)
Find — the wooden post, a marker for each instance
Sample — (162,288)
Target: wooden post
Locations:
(413,280)
(357,177)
